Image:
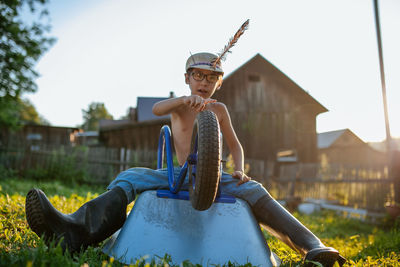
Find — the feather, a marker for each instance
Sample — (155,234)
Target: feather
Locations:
(222,55)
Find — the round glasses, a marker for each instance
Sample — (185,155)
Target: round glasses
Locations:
(199,76)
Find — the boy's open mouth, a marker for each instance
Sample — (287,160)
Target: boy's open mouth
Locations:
(202,91)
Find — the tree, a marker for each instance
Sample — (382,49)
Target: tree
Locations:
(21,45)
(91,117)
(29,115)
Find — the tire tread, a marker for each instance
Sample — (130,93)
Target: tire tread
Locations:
(208,162)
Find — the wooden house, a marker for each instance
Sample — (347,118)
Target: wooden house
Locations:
(139,133)
(134,135)
(272,116)
(88,138)
(39,136)
(343,147)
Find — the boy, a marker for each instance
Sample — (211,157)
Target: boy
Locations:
(100,217)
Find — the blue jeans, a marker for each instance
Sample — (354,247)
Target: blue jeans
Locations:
(137,180)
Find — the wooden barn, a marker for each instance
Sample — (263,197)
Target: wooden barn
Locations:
(39,136)
(272,116)
(343,147)
(139,133)
(135,135)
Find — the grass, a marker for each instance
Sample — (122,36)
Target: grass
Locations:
(361,243)
(22,186)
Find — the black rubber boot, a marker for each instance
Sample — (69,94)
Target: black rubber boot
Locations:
(92,223)
(280,223)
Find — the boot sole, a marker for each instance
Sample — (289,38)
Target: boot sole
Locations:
(35,216)
(37,222)
(326,256)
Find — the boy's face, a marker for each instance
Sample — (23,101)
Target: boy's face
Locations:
(203,82)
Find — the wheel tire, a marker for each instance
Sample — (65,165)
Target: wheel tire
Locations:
(204,189)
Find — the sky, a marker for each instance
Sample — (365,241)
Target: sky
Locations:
(114,51)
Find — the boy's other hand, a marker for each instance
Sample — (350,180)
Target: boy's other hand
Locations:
(197,102)
(243,178)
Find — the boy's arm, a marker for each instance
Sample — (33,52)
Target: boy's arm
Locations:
(170,105)
(167,106)
(233,144)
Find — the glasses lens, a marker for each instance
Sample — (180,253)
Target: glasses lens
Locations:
(198,76)
(212,78)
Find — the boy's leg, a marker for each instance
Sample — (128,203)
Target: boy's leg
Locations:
(136,180)
(95,220)
(279,222)
(90,224)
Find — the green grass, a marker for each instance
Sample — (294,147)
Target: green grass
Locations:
(361,243)
(22,186)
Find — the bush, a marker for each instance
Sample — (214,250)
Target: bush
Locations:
(6,173)
(70,168)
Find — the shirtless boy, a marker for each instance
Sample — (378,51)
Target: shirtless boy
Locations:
(101,217)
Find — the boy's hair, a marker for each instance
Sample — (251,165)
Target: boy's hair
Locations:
(203,61)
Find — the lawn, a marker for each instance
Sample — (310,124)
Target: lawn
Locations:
(361,243)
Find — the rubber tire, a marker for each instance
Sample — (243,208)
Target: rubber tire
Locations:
(208,171)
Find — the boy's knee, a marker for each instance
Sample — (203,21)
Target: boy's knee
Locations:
(250,191)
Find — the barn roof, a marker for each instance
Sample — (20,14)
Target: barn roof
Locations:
(326,139)
(289,84)
(144,108)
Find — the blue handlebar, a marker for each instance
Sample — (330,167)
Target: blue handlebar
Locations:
(164,144)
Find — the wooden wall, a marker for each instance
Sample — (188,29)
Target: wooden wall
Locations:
(270,113)
(39,135)
(350,149)
(141,136)
(357,154)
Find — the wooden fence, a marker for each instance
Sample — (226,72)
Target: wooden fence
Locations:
(367,187)
(91,164)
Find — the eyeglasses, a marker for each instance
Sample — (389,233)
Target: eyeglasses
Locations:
(199,76)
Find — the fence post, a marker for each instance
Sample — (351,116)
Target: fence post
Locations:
(395,172)
(121,159)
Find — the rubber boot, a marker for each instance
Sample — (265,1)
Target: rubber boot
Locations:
(283,225)
(91,223)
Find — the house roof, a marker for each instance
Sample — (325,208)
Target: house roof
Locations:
(326,139)
(289,84)
(105,123)
(31,125)
(88,134)
(144,108)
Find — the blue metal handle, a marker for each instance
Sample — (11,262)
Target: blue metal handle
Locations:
(164,139)
(164,143)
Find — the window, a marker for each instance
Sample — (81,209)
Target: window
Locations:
(254,78)
(34,136)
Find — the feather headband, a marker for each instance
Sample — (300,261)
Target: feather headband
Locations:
(231,43)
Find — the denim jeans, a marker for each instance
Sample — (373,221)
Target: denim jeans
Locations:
(137,180)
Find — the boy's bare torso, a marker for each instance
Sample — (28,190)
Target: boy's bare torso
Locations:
(182,122)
